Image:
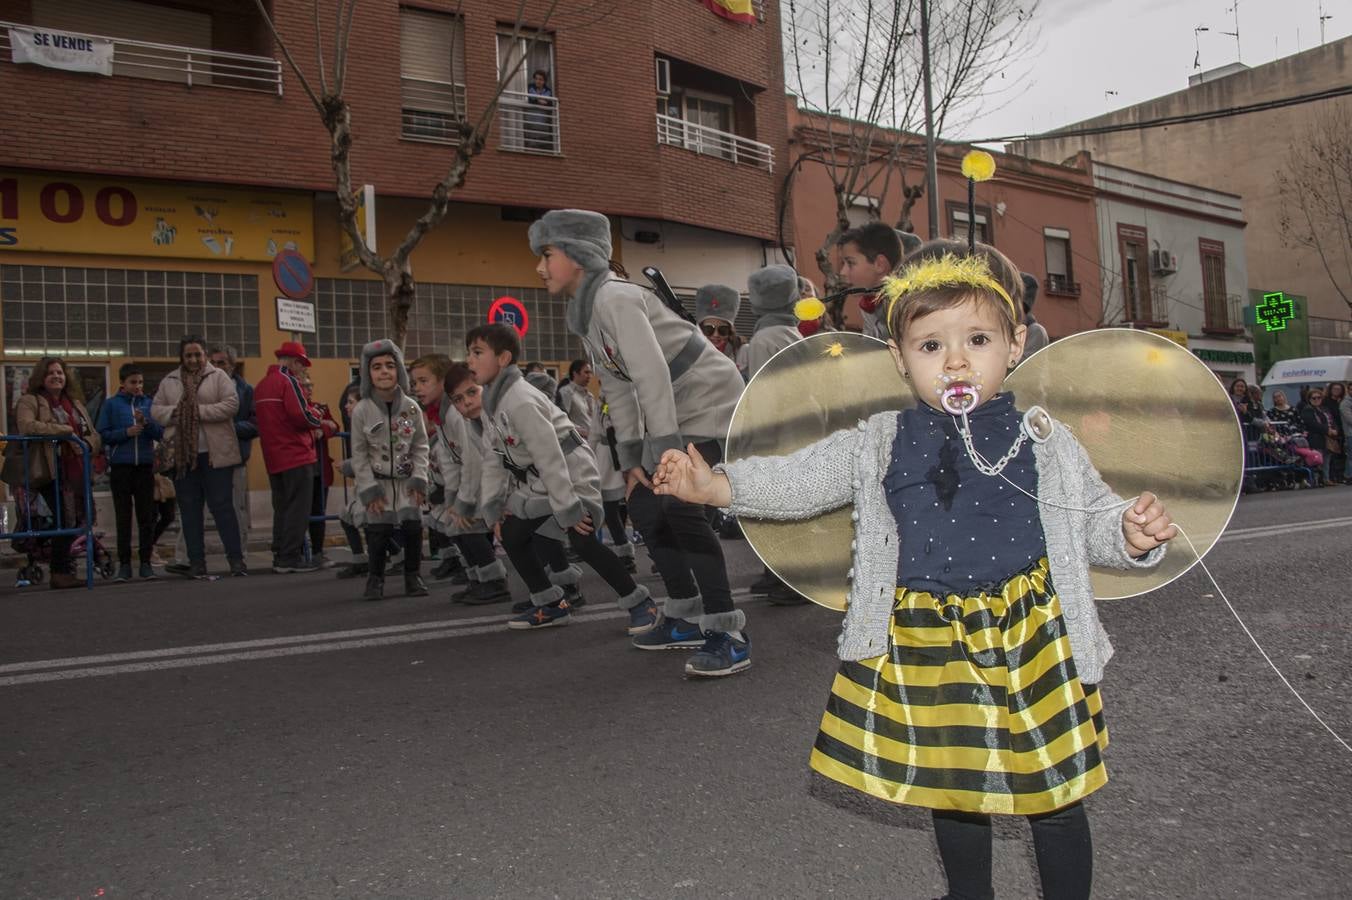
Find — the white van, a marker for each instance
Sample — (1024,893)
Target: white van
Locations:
(1290,375)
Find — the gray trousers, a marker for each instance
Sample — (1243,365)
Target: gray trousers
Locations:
(291,498)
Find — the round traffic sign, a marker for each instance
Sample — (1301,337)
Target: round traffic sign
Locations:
(509,311)
(292,274)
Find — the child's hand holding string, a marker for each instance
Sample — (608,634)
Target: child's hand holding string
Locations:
(1146,525)
(686,476)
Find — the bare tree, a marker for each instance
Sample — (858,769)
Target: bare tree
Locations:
(856,67)
(1316,191)
(330,101)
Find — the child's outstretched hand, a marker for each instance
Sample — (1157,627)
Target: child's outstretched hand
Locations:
(1146,525)
(686,476)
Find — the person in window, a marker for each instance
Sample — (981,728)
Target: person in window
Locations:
(539,121)
(56,468)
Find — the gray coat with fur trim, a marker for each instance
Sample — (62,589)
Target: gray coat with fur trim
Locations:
(537,464)
(848,467)
(389,444)
(637,345)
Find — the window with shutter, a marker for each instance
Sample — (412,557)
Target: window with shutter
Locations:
(431,74)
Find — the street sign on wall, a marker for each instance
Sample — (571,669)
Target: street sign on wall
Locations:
(510,311)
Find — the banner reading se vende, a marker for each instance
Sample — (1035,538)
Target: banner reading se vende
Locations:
(125,217)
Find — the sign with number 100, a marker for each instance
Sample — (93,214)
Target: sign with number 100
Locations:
(85,215)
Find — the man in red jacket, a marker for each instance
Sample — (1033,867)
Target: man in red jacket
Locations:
(286,429)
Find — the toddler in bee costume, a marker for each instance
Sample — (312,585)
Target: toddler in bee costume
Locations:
(971,647)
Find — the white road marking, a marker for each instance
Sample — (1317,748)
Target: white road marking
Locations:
(32,672)
(1248,534)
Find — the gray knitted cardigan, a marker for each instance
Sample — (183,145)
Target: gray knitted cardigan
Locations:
(848,467)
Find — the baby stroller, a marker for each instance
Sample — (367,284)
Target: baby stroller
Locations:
(33,514)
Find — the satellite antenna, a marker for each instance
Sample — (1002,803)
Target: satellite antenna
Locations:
(1197,42)
(1322,19)
(1239,50)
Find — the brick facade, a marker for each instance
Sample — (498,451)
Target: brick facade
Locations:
(604,81)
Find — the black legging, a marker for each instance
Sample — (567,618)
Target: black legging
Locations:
(615,512)
(519,540)
(1061,841)
(477,548)
(682,543)
(319,503)
(379,537)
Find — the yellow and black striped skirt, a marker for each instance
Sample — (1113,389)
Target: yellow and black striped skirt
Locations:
(976,706)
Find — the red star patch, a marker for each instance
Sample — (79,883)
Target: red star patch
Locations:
(511,441)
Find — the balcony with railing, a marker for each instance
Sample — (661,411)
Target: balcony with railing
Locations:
(712,142)
(1061,286)
(1224,314)
(431,110)
(190,66)
(529,123)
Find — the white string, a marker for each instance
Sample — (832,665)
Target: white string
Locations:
(1198,556)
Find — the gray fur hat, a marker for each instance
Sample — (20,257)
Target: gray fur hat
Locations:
(583,235)
(543,383)
(909,242)
(772,289)
(382,347)
(717,301)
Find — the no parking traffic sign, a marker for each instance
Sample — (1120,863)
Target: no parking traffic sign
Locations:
(292,274)
(509,311)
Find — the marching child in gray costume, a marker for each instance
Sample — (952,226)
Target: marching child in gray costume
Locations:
(458,448)
(773,291)
(553,481)
(390,461)
(668,388)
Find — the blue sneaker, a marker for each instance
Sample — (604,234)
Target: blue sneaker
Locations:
(643,618)
(541,617)
(722,654)
(671,634)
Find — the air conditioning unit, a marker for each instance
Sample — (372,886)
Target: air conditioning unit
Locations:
(1162,262)
(663,77)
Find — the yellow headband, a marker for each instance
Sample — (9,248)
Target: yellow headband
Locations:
(946,271)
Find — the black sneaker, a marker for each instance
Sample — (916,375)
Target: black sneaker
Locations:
(291,567)
(573,594)
(541,617)
(179,568)
(148,571)
(446,568)
(123,572)
(521,606)
(722,654)
(239,568)
(353,570)
(197,569)
(670,634)
(413,585)
(375,588)
(783,595)
(482,593)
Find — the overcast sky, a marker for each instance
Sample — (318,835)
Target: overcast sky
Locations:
(1141,49)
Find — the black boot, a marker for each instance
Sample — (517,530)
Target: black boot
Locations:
(375,588)
(482,593)
(413,585)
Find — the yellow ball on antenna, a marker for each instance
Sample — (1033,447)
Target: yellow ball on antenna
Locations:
(978,165)
(809,309)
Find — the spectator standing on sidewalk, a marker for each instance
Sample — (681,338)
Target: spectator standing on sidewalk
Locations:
(1334,396)
(286,426)
(56,469)
(226,358)
(129,433)
(1319,427)
(323,477)
(196,403)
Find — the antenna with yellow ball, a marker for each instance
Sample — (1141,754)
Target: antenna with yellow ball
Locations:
(977,165)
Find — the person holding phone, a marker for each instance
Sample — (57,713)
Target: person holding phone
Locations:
(129,435)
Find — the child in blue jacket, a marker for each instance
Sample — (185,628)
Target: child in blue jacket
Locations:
(129,434)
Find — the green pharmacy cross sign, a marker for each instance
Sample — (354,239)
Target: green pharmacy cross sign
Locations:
(1275,311)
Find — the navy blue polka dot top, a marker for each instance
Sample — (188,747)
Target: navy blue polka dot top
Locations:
(960,531)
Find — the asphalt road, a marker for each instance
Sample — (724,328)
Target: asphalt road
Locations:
(275,737)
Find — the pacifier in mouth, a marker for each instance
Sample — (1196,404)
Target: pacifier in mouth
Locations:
(959,394)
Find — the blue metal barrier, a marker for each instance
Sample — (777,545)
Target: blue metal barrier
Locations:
(30,495)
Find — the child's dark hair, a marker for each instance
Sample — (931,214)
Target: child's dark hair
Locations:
(499,338)
(456,375)
(576,366)
(873,240)
(127,370)
(913,305)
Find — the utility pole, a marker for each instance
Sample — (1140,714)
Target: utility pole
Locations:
(931,155)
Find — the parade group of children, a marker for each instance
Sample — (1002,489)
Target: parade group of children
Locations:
(971,649)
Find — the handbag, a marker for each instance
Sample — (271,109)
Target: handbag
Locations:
(14,473)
